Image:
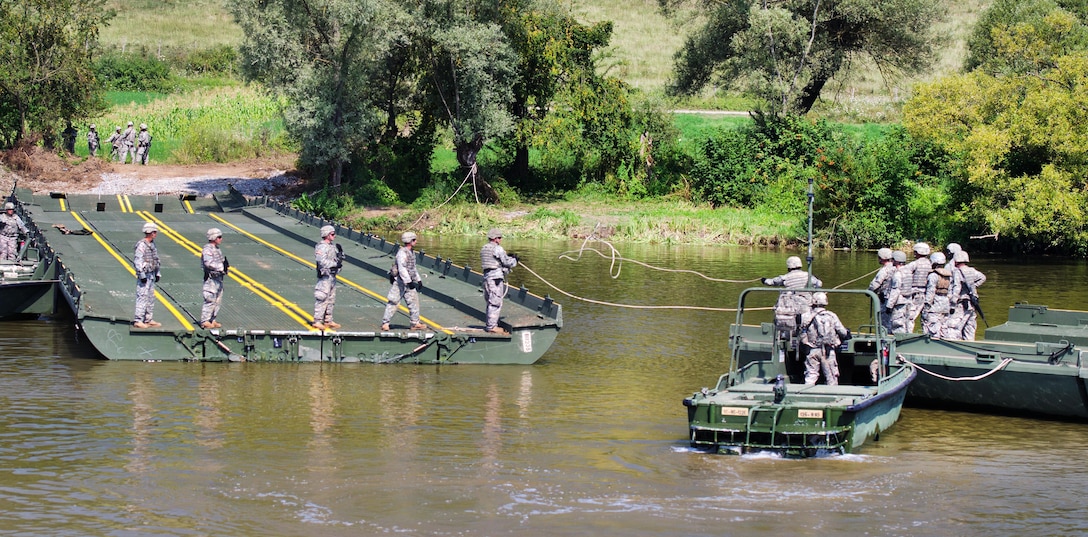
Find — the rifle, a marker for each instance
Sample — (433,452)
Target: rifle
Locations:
(978,308)
(972,295)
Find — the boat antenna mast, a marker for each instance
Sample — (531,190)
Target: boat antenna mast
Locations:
(811,201)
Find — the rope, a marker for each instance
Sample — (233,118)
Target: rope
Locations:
(633,306)
(462,185)
(855,279)
(997,368)
(614,269)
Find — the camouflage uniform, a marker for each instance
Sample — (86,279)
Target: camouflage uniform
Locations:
(215,269)
(898,304)
(916,276)
(963,322)
(405,283)
(144,145)
(791,303)
(935,317)
(146,261)
(822,332)
(116,144)
(69,133)
(128,145)
(92,141)
(10,228)
(880,284)
(495,265)
(325,290)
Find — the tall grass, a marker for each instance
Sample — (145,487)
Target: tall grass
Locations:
(212,125)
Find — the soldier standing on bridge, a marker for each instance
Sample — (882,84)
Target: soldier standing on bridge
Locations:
(495,264)
(405,284)
(11,226)
(146,261)
(329,259)
(215,268)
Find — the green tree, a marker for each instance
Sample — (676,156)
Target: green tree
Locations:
(785,52)
(321,55)
(1021,142)
(46,49)
(1052,29)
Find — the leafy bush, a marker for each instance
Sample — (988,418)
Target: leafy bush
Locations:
(130,72)
(219,59)
(325,203)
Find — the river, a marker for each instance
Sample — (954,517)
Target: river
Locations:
(589,441)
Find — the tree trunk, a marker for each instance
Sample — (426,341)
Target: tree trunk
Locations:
(466,156)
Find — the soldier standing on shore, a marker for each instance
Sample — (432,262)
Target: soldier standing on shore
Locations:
(329,260)
(144,145)
(128,145)
(115,144)
(92,141)
(147,265)
(69,134)
(215,269)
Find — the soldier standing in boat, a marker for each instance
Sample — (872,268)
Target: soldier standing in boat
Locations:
(937,307)
(792,303)
(146,261)
(406,283)
(215,266)
(11,226)
(822,332)
(918,276)
(495,264)
(898,304)
(952,249)
(880,284)
(329,260)
(963,322)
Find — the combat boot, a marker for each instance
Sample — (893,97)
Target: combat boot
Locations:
(318,325)
(139,324)
(332,324)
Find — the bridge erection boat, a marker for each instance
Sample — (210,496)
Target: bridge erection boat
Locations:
(763,404)
(82,262)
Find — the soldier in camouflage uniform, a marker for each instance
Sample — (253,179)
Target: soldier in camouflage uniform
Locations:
(952,249)
(115,144)
(495,264)
(69,134)
(822,332)
(128,145)
(329,261)
(791,303)
(880,284)
(215,269)
(143,143)
(935,312)
(916,277)
(898,304)
(146,261)
(963,322)
(11,226)
(406,282)
(92,141)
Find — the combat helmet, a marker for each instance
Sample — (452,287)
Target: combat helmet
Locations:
(961,257)
(884,254)
(793,262)
(899,257)
(9,206)
(494,234)
(214,233)
(150,228)
(921,248)
(326,231)
(952,248)
(937,258)
(819,298)
(407,237)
